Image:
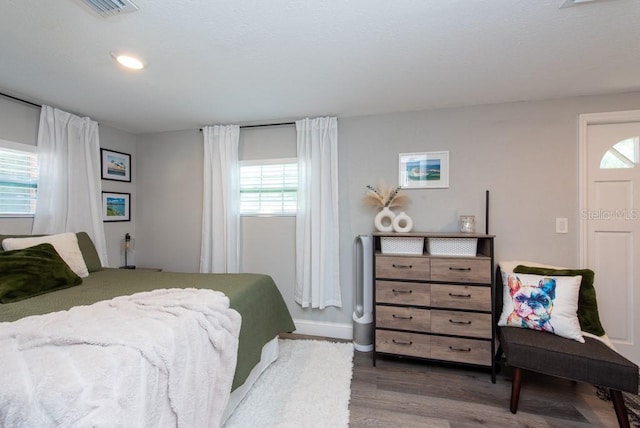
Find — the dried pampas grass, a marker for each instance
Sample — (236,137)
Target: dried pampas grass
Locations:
(385,196)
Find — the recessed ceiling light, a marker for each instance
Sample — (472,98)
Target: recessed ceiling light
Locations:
(128,61)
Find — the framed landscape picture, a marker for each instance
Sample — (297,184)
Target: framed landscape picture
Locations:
(116,206)
(115,165)
(424,170)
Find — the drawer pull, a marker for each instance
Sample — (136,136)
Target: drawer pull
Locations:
(451,348)
(402,291)
(462,296)
(402,266)
(403,342)
(463,269)
(460,322)
(402,317)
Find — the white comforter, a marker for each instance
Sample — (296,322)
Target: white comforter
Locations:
(156,359)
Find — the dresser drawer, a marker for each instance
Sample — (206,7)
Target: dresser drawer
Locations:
(461,323)
(461,350)
(469,297)
(402,318)
(403,293)
(461,270)
(394,267)
(401,343)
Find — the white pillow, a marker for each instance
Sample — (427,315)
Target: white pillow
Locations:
(66,244)
(545,303)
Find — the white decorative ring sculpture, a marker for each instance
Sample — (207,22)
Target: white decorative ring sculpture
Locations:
(402,223)
(384,220)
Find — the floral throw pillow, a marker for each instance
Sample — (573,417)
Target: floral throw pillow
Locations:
(545,303)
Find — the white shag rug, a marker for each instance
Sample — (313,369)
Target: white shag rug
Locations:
(308,386)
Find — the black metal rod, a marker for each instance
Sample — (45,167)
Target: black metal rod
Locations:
(244,126)
(268,124)
(486,216)
(20,100)
(264,125)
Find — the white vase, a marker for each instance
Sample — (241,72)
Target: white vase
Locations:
(402,223)
(384,220)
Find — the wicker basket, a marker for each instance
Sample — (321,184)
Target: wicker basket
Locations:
(452,246)
(401,245)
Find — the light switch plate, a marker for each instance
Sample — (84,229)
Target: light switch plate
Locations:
(562,225)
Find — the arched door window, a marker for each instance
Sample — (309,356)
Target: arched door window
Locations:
(624,154)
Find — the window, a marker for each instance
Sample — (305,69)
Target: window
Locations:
(269,187)
(623,154)
(18,179)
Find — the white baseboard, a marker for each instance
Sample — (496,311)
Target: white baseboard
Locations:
(322,328)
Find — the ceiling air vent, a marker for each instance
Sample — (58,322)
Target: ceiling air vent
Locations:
(111,7)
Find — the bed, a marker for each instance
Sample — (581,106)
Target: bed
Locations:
(254,296)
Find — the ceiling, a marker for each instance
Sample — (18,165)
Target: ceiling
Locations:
(256,61)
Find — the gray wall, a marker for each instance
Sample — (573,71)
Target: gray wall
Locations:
(169,189)
(169,200)
(120,141)
(19,123)
(524,153)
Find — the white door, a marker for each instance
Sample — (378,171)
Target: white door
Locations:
(610,219)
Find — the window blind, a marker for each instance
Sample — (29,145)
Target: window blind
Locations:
(18,179)
(269,187)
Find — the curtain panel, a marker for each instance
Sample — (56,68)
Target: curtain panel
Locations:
(69,183)
(317,232)
(220,247)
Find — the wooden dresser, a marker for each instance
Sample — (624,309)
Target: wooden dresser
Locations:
(435,307)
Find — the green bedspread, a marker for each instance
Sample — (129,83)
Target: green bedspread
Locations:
(254,296)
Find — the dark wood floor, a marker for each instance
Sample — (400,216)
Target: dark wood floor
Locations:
(405,393)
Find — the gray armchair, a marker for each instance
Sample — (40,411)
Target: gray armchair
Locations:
(591,362)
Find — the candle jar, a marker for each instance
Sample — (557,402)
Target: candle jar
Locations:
(467,224)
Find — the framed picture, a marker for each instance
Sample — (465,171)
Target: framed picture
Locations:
(116,206)
(424,170)
(115,165)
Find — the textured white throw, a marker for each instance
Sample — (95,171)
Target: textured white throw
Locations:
(160,358)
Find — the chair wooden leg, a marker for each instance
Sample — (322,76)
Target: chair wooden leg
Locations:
(621,409)
(515,388)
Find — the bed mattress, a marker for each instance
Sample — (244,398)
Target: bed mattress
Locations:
(254,296)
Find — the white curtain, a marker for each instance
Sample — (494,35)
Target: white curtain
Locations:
(220,249)
(69,186)
(317,233)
